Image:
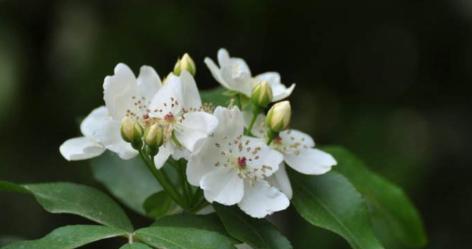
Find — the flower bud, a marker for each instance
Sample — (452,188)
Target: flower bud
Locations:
(262,94)
(154,136)
(185,63)
(278,117)
(132,132)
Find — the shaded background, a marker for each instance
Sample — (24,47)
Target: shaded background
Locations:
(388,79)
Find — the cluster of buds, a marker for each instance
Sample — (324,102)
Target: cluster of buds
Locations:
(152,137)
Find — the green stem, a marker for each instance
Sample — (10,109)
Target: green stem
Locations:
(255,114)
(163,180)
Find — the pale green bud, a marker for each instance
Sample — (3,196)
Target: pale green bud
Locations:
(185,63)
(262,94)
(154,136)
(278,117)
(132,132)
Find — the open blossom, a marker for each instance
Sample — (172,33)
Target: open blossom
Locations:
(233,169)
(299,153)
(234,74)
(124,94)
(178,108)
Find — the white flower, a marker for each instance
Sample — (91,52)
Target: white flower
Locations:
(124,94)
(178,108)
(234,74)
(232,168)
(299,153)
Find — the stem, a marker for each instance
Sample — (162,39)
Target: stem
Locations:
(270,136)
(255,114)
(163,180)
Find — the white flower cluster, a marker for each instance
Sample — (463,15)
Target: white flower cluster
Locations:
(234,155)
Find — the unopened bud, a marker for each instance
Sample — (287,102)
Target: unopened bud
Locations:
(278,117)
(262,94)
(185,63)
(132,132)
(154,136)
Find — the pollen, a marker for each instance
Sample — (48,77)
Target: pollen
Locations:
(242,162)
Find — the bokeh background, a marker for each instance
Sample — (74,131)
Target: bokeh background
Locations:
(388,79)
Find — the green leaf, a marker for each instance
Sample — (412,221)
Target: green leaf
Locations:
(258,233)
(332,202)
(80,200)
(75,199)
(159,205)
(135,246)
(69,237)
(389,205)
(186,232)
(215,96)
(128,180)
(12,187)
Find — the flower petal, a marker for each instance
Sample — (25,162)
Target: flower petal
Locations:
(260,200)
(260,157)
(195,126)
(310,161)
(119,90)
(215,71)
(164,153)
(169,98)
(290,138)
(148,82)
(230,122)
(223,185)
(190,95)
(279,90)
(80,148)
(100,126)
(124,150)
(281,181)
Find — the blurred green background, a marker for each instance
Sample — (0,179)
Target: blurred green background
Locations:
(388,79)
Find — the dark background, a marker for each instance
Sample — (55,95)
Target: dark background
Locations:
(389,79)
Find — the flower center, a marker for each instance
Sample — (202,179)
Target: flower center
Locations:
(169,117)
(242,162)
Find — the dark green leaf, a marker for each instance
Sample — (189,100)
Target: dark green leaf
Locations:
(69,237)
(135,246)
(186,232)
(159,205)
(331,202)
(389,205)
(12,187)
(215,96)
(128,180)
(81,200)
(258,233)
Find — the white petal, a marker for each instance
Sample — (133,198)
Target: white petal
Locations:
(310,161)
(149,82)
(164,153)
(223,57)
(260,200)
(230,122)
(265,157)
(124,150)
(215,71)
(119,90)
(279,90)
(164,101)
(223,185)
(203,160)
(195,126)
(100,126)
(80,148)
(190,95)
(281,181)
(293,137)
(237,79)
